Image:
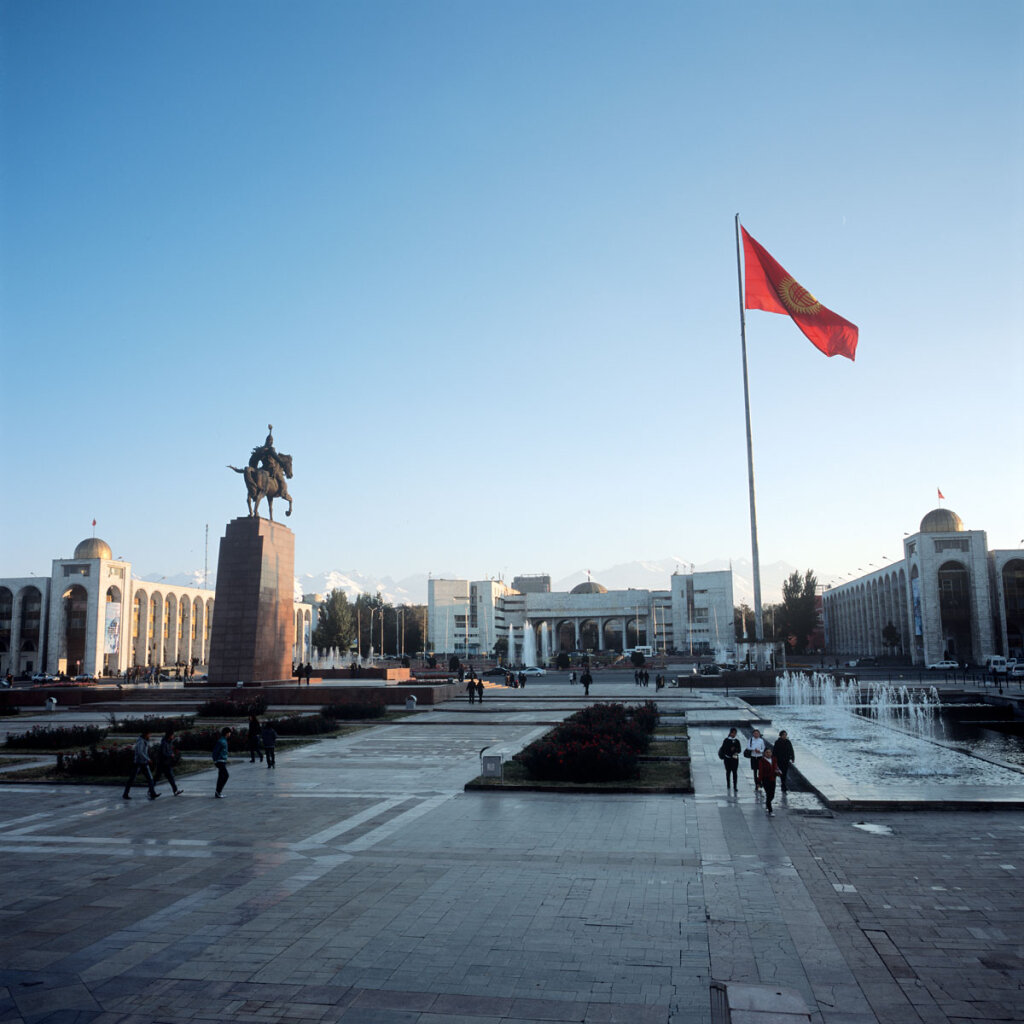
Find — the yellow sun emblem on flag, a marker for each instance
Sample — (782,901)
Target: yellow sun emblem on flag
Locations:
(797,299)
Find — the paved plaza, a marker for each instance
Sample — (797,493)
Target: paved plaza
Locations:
(358,882)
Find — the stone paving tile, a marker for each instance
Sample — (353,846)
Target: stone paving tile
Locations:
(370,887)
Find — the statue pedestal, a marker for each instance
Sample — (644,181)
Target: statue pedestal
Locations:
(253,629)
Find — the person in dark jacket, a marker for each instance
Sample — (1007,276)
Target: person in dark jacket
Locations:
(168,758)
(729,752)
(220,759)
(140,763)
(269,737)
(767,773)
(255,744)
(784,756)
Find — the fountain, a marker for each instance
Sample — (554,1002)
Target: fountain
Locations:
(879,734)
(545,643)
(529,646)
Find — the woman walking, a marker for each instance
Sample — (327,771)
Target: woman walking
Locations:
(768,772)
(755,748)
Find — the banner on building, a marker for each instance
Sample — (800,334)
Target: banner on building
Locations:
(112,628)
(915,596)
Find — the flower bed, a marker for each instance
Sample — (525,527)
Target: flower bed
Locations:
(601,743)
(41,737)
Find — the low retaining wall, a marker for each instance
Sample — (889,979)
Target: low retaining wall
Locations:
(392,694)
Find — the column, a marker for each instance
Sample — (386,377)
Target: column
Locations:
(600,634)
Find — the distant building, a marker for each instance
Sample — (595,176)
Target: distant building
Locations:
(91,616)
(694,615)
(535,583)
(948,597)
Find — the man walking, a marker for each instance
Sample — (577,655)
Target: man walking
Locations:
(784,757)
(140,763)
(729,752)
(220,759)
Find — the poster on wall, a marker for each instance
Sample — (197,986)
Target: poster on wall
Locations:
(915,593)
(112,628)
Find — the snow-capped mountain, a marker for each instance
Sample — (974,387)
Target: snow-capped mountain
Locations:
(640,575)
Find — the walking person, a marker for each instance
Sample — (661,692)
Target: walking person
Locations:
(471,690)
(479,691)
(167,759)
(754,750)
(269,737)
(768,772)
(220,759)
(309,673)
(784,757)
(140,763)
(255,746)
(586,679)
(729,752)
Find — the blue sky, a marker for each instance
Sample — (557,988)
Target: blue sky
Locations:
(476,262)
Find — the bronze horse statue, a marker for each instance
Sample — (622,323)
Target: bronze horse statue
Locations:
(267,482)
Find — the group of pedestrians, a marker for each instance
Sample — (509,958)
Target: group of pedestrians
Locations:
(475,688)
(769,764)
(142,763)
(262,740)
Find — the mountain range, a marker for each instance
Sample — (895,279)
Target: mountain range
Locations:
(640,575)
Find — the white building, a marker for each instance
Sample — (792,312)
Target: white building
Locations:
(91,616)
(694,615)
(948,597)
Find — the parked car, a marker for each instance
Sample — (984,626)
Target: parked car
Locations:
(84,677)
(1017,672)
(43,677)
(533,672)
(497,671)
(943,666)
(710,670)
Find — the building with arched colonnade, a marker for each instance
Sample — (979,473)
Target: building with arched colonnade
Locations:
(949,597)
(91,616)
(694,615)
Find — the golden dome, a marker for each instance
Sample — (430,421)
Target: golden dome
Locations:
(590,587)
(942,520)
(93,547)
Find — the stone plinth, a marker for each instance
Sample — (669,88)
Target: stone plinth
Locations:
(253,628)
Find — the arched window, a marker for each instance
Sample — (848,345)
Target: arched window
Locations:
(1013,598)
(6,619)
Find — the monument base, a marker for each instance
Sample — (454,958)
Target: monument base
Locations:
(253,628)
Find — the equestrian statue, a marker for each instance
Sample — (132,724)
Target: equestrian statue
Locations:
(265,476)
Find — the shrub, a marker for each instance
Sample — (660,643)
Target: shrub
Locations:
(353,710)
(204,739)
(45,738)
(601,743)
(232,709)
(302,725)
(156,724)
(594,760)
(97,761)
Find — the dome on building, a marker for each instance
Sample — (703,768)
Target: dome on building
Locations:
(590,587)
(941,520)
(93,547)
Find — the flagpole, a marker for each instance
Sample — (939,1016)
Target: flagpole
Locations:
(758,617)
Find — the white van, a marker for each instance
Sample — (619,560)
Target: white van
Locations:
(997,666)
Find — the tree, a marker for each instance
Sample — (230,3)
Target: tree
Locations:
(335,626)
(796,616)
(891,637)
(369,612)
(743,621)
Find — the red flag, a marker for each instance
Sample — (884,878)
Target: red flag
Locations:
(94,522)
(942,497)
(770,287)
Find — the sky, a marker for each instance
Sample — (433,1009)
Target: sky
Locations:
(476,262)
